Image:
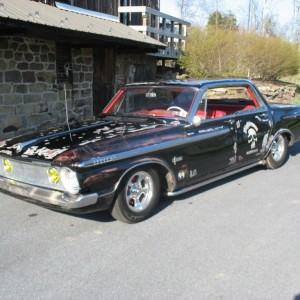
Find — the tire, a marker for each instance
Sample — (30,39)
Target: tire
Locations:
(138,196)
(278,152)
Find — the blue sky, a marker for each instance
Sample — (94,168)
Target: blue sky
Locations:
(283,10)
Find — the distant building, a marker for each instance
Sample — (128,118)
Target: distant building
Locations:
(144,16)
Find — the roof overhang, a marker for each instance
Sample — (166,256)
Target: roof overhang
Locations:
(36,19)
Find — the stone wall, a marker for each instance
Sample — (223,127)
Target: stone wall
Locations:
(278,92)
(30,98)
(144,68)
(81,105)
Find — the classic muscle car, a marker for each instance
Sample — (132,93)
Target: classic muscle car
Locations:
(151,139)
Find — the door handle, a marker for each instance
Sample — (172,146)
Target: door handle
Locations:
(230,122)
(263,115)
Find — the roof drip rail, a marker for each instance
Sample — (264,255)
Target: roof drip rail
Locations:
(83,11)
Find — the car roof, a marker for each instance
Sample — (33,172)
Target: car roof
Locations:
(193,83)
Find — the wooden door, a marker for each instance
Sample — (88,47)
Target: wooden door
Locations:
(103,79)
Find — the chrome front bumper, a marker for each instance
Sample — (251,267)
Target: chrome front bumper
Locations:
(46,196)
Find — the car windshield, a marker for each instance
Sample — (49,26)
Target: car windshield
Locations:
(159,101)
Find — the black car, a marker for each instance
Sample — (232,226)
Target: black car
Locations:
(151,139)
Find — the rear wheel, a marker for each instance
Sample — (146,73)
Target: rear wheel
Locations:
(278,152)
(138,196)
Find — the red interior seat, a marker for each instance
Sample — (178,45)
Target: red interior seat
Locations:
(212,113)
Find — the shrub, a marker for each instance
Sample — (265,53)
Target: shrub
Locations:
(215,52)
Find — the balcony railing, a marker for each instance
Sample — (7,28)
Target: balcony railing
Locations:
(160,26)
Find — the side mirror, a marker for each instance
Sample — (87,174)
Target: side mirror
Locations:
(196,121)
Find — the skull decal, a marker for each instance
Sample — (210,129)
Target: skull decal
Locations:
(251,129)
(252,138)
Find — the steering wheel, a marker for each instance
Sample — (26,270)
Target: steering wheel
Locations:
(182,113)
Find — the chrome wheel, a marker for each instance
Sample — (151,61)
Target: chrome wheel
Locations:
(139,191)
(137,196)
(278,148)
(278,152)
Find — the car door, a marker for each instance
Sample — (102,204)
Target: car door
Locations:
(211,149)
(253,128)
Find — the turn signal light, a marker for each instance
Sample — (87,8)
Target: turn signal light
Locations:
(53,175)
(7,166)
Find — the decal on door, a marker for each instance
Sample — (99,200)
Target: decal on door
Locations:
(232,160)
(181,175)
(176,159)
(251,130)
(193,173)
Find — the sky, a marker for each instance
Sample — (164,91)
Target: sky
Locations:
(282,10)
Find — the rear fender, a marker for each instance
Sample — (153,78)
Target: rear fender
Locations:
(285,132)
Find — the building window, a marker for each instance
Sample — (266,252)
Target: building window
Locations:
(64,63)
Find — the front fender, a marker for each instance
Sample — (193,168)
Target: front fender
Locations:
(102,178)
(166,173)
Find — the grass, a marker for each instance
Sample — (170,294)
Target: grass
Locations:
(295,80)
(297,98)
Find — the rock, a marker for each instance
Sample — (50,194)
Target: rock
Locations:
(277,91)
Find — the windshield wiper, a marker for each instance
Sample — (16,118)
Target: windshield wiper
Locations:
(148,117)
(114,115)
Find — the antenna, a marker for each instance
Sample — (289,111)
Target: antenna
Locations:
(68,70)
(67,113)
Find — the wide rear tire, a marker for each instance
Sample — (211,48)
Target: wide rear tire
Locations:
(137,196)
(278,152)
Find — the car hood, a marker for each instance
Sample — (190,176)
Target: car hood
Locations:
(81,142)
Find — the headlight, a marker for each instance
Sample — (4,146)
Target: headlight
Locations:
(53,175)
(70,181)
(7,166)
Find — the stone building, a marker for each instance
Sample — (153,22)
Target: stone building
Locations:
(57,64)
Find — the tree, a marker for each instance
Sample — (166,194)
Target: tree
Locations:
(260,17)
(186,8)
(222,21)
(295,25)
(269,27)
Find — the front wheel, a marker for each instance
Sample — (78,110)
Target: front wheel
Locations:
(278,152)
(138,196)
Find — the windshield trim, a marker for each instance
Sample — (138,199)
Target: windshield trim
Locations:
(168,97)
